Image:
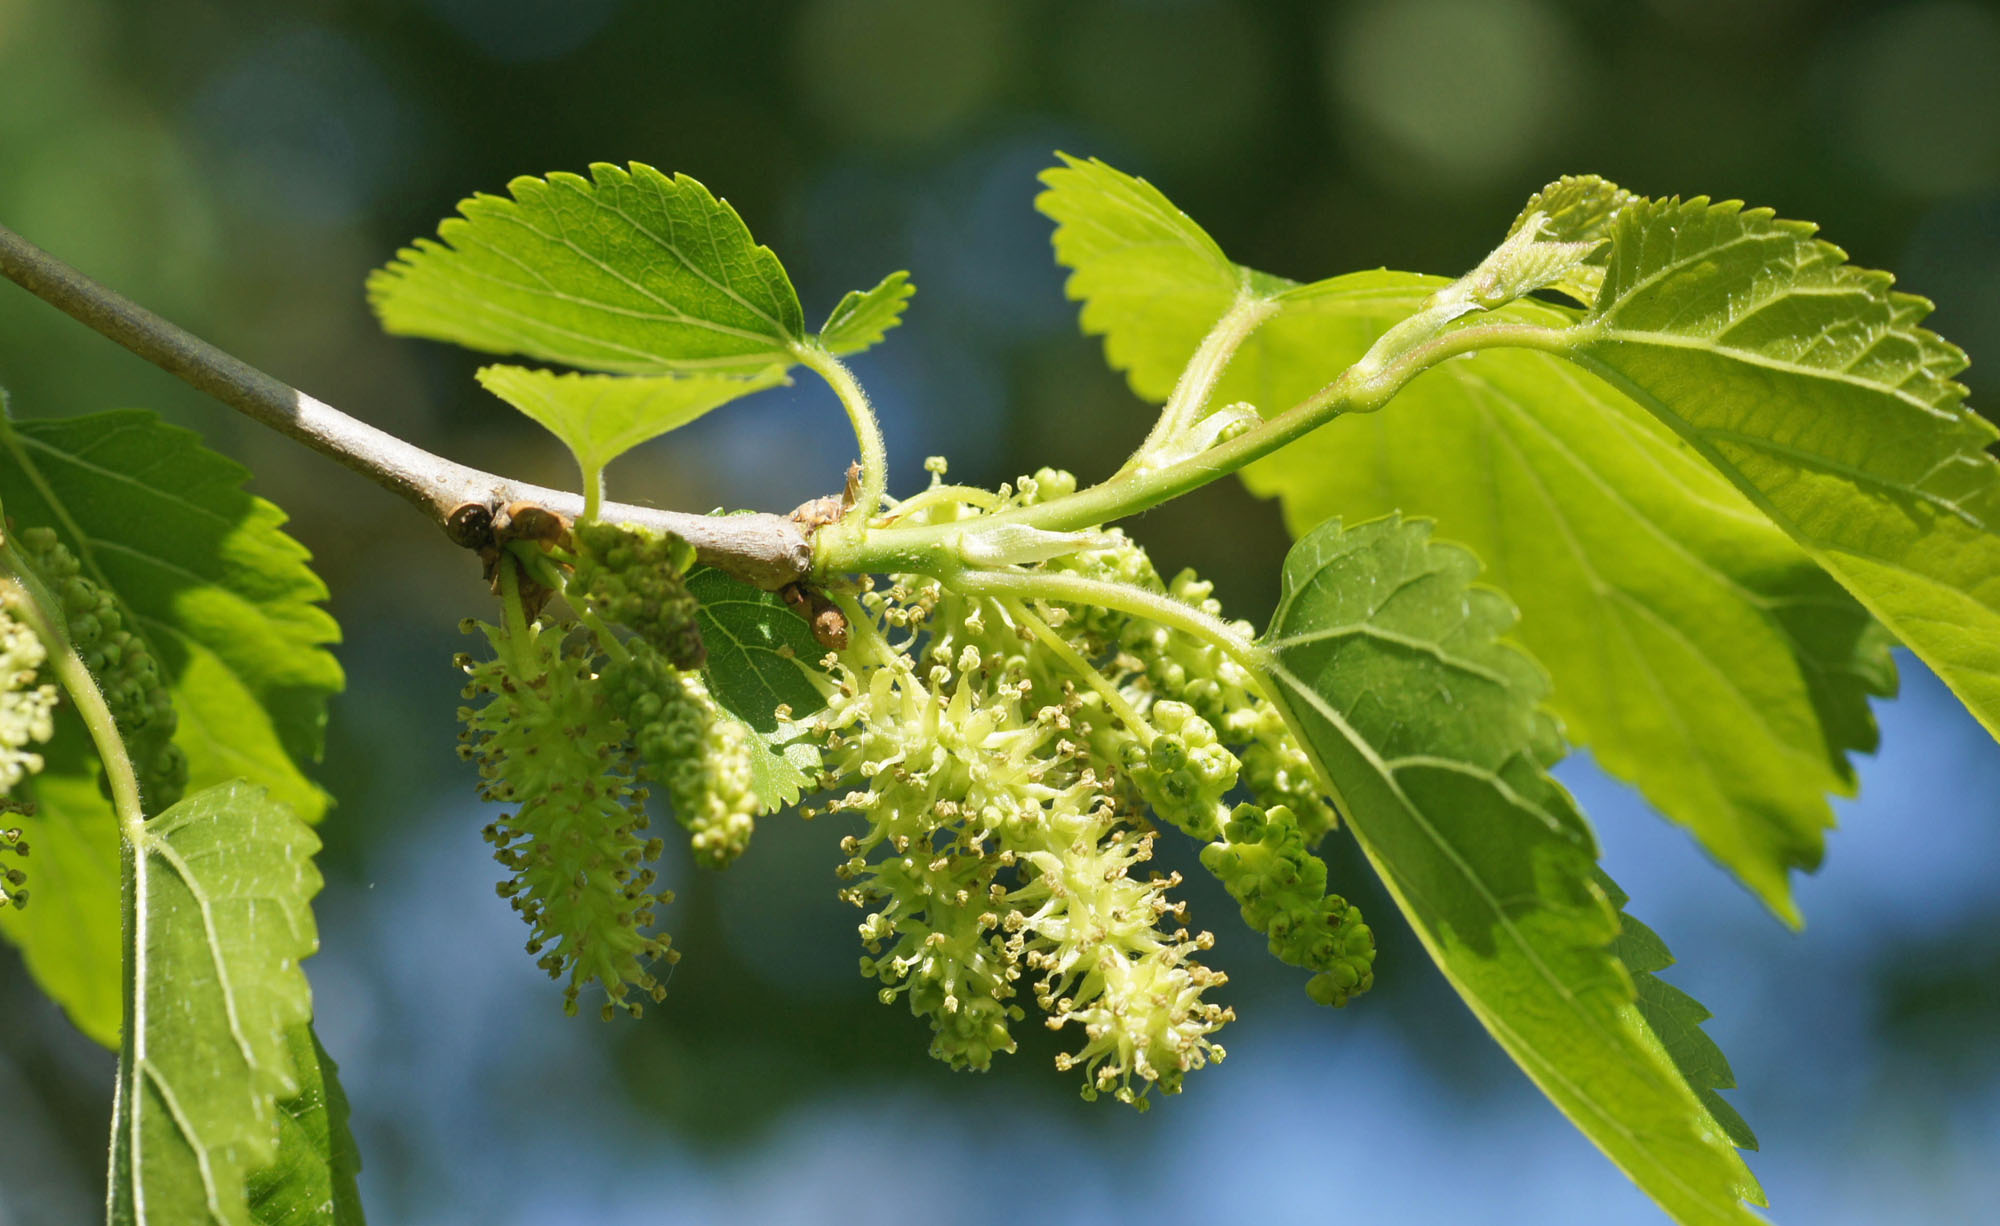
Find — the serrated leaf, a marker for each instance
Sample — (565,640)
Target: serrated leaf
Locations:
(312,1181)
(629,271)
(221,916)
(860,319)
(1676,1017)
(761,654)
(1577,208)
(1698,652)
(1152,281)
(229,606)
(601,417)
(781,771)
(1426,730)
(1808,383)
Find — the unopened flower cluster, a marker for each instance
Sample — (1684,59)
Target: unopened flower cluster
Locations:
(130,678)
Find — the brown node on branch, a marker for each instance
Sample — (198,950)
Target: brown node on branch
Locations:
(819,512)
(514,521)
(829,624)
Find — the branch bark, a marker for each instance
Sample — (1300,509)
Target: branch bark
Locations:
(767,550)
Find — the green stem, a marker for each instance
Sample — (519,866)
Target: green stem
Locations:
(1364,387)
(512,613)
(593,495)
(1153,606)
(867,431)
(1203,371)
(1097,681)
(970,494)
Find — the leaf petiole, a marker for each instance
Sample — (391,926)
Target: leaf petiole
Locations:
(867,430)
(1401,355)
(1115,701)
(1197,382)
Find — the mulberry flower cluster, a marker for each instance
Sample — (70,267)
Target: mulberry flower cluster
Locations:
(635,578)
(1005,757)
(569,728)
(1012,762)
(687,743)
(549,744)
(27,707)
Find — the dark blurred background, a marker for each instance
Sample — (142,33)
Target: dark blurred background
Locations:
(240,167)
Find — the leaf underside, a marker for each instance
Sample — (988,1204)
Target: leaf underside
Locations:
(230,608)
(1699,653)
(223,883)
(312,1182)
(1428,733)
(601,417)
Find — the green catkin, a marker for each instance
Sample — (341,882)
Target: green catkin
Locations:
(1263,862)
(127,673)
(549,744)
(13,879)
(634,577)
(688,744)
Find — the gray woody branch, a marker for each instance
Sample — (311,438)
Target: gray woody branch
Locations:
(768,550)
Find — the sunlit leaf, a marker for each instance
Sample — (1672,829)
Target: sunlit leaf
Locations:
(601,417)
(1809,384)
(1428,733)
(222,887)
(860,319)
(630,271)
(312,1181)
(226,602)
(1697,651)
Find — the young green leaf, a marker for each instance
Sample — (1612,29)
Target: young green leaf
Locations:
(630,271)
(860,319)
(312,1181)
(220,917)
(1152,281)
(225,601)
(780,773)
(1696,650)
(1808,383)
(1577,208)
(1427,732)
(601,417)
